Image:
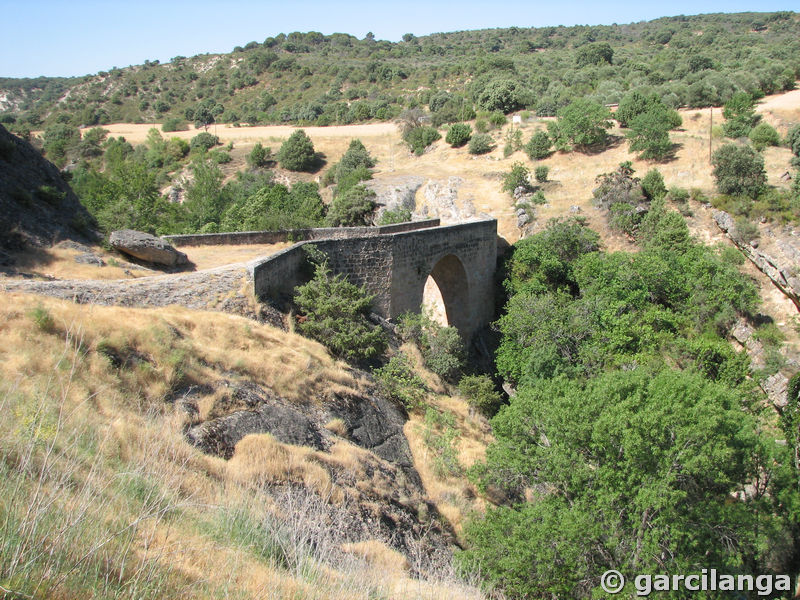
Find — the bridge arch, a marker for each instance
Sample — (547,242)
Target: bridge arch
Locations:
(448,284)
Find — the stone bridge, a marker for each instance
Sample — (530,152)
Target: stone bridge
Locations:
(394,263)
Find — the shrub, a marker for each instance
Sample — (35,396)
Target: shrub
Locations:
(653,185)
(220,157)
(398,215)
(763,135)
(745,231)
(481,126)
(336,315)
(297,153)
(739,170)
(541,172)
(480,143)
(43,319)
(518,176)
(497,119)
(442,348)
(174,124)
(740,115)
(444,352)
(420,138)
(352,208)
(480,394)
(458,135)
(793,140)
(203,141)
(398,381)
(258,156)
(584,122)
(538,146)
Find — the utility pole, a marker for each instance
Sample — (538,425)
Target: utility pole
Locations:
(710,131)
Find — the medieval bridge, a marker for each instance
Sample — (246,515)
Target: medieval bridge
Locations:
(393,262)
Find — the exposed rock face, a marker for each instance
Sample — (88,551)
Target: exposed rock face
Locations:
(147,247)
(782,272)
(37,207)
(393,193)
(385,497)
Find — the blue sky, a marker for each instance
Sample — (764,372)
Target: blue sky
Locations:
(62,38)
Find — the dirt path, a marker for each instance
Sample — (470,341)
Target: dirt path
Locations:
(223,289)
(136,133)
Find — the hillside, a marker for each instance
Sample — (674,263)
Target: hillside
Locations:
(633,406)
(313,79)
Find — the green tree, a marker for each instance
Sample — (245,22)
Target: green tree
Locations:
(336,315)
(206,198)
(538,146)
(352,208)
(480,143)
(541,173)
(60,141)
(636,471)
(739,170)
(518,176)
(258,156)
(740,115)
(584,122)
(480,393)
(653,185)
(420,138)
(763,135)
(297,153)
(458,135)
(649,134)
(501,95)
(594,54)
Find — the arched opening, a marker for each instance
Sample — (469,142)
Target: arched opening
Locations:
(446,294)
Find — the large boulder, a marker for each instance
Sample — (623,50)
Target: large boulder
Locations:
(146,247)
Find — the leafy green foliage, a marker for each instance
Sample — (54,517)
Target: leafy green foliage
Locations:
(740,115)
(763,135)
(352,208)
(518,176)
(443,350)
(419,138)
(203,141)
(541,172)
(649,134)
(480,393)
(458,135)
(738,170)
(297,152)
(397,215)
(336,315)
(538,146)
(399,382)
(174,124)
(499,95)
(60,141)
(439,435)
(653,186)
(258,156)
(583,123)
(636,471)
(594,54)
(480,143)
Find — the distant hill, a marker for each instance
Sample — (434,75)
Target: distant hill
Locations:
(36,204)
(311,78)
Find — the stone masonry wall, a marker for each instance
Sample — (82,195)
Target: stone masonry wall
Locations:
(286,235)
(395,266)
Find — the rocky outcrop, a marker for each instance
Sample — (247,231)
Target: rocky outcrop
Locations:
(385,497)
(440,199)
(37,207)
(394,193)
(146,247)
(782,274)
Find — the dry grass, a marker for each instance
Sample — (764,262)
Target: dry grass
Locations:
(100,495)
